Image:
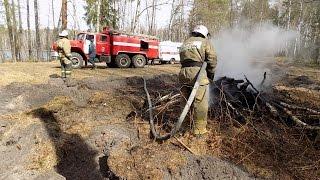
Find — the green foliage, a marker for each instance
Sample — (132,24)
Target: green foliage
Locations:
(212,13)
(108,14)
(256,11)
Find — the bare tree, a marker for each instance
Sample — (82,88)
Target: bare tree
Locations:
(153,17)
(36,18)
(64,14)
(231,13)
(75,16)
(98,15)
(20,32)
(14,30)
(9,24)
(135,20)
(53,19)
(29,31)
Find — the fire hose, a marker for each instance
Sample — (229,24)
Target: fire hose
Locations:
(185,110)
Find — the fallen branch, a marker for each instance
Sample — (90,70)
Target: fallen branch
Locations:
(299,122)
(257,91)
(239,115)
(272,109)
(299,108)
(185,146)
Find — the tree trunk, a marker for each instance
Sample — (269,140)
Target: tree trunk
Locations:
(9,24)
(153,14)
(98,15)
(14,30)
(231,13)
(288,24)
(181,28)
(20,32)
(135,21)
(29,32)
(64,14)
(298,29)
(172,15)
(36,18)
(53,19)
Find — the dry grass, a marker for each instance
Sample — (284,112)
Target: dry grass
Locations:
(44,156)
(38,73)
(147,162)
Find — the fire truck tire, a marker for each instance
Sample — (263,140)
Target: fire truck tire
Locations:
(172,61)
(123,61)
(139,61)
(77,60)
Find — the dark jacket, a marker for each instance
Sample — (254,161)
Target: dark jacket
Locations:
(92,50)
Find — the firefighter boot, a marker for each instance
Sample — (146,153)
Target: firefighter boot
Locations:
(63,69)
(200,127)
(68,68)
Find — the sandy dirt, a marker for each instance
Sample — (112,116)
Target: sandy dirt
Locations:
(95,126)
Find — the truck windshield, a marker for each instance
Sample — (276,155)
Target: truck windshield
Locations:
(89,37)
(80,36)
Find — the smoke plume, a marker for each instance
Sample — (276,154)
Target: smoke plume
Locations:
(250,51)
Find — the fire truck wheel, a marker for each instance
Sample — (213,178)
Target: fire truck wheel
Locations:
(172,61)
(139,61)
(123,61)
(77,60)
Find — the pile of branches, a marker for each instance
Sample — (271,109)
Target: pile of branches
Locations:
(240,99)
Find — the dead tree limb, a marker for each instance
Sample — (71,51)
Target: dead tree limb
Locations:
(298,108)
(257,91)
(299,122)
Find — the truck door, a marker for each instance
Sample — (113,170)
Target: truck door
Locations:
(103,48)
(103,45)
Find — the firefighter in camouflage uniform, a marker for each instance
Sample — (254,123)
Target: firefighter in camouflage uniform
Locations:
(64,50)
(193,53)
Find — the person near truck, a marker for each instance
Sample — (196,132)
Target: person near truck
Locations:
(92,53)
(194,51)
(64,50)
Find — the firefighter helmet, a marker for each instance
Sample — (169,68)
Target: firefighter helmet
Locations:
(64,33)
(202,30)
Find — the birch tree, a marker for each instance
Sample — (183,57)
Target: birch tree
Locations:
(29,31)
(36,18)
(64,14)
(19,39)
(9,25)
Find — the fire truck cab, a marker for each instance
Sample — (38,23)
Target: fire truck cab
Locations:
(115,48)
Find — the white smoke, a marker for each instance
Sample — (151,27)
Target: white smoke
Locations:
(243,51)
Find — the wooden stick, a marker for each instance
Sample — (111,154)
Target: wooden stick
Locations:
(185,146)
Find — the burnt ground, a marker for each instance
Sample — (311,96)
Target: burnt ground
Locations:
(95,127)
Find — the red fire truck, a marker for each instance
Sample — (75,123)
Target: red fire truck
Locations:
(115,48)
